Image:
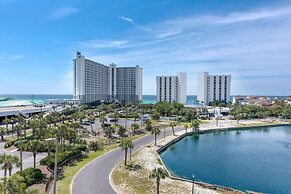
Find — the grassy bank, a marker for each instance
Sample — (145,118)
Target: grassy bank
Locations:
(66,177)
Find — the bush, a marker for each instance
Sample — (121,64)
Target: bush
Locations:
(32,176)
(63,156)
(28,177)
(17,143)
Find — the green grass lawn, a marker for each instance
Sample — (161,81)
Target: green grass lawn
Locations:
(66,177)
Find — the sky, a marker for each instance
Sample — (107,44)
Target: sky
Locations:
(251,40)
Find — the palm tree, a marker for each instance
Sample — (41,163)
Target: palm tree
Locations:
(102,119)
(173,125)
(195,124)
(115,115)
(18,128)
(49,145)
(126,119)
(186,126)
(13,185)
(135,117)
(33,124)
(158,174)
(134,127)
(125,144)
(156,131)
(2,132)
(109,131)
(131,146)
(91,119)
(7,162)
(34,146)
(14,161)
(7,121)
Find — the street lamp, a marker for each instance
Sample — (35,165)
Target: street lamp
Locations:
(56,164)
(193,180)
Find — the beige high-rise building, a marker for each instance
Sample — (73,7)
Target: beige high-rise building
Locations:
(97,82)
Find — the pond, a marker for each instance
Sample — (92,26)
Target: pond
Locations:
(256,159)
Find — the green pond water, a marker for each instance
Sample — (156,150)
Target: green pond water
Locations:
(256,159)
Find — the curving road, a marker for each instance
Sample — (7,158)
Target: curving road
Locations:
(94,178)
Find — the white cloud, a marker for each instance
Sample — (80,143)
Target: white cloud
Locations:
(127,19)
(63,12)
(99,43)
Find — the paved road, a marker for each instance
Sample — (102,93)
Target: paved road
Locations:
(94,178)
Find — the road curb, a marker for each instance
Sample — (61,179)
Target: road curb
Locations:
(71,185)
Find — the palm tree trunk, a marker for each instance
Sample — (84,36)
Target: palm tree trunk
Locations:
(125,126)
(91,128)
(155,139)
(125,157)
(173,130)
(158,186)
(2,138)
(5,173)
(10,170)
(130,151)
(34,160)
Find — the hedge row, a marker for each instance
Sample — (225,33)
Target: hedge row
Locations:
(63,156)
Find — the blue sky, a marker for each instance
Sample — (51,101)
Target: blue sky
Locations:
(251,40)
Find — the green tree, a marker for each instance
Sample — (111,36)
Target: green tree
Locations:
(34,146)
(125,144)
(7,162)
(121,131)
(134,127)
(156,131)
(2,132)
(14,185)
(186,126)
(7,121)
(195,124)
(109,131)
(156,116)
(173,125)
(158,174)
(91,119)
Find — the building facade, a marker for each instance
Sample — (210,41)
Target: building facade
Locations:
(97,82)
(172,88)
(213,88)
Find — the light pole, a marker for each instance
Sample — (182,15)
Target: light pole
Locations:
(56,165)
(20,153)
(193,180)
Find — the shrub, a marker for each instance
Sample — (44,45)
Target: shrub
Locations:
(32,176)
(63,156)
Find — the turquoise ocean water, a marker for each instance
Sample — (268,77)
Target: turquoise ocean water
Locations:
(26,99)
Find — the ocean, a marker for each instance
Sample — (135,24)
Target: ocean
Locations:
(26,99)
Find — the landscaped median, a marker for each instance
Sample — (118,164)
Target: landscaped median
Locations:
(66,177)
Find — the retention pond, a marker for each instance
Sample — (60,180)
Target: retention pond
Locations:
(256,159)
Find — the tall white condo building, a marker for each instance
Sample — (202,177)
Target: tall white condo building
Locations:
(172,88)
(213,88)
(97,82)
